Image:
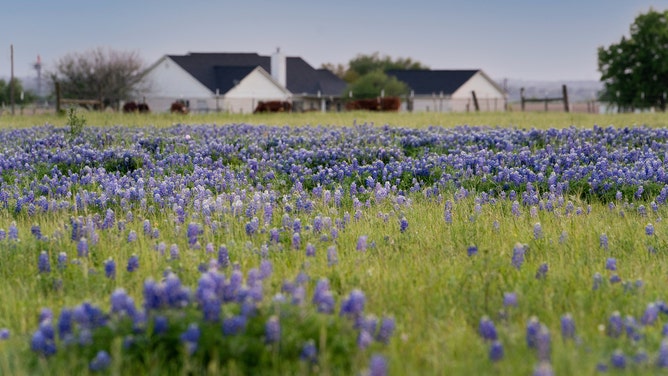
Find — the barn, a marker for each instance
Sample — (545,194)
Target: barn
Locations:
(450,90)
(237,82)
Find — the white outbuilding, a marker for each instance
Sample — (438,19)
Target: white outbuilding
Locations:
(450,90)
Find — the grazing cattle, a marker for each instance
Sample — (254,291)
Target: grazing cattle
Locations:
(179,107)
(273,106)
(378,104)
(135,107)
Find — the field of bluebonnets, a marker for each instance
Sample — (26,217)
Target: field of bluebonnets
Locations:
(334,244)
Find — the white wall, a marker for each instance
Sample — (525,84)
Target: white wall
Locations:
(490,97)
(168,82)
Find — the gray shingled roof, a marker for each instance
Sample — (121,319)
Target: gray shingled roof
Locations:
(223,70)
(428,82)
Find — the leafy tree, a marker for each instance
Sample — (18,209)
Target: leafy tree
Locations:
(106,75)
(372,84)
(5,93)
(635,70)
(365,64)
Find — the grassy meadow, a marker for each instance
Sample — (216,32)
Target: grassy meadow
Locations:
(443,229)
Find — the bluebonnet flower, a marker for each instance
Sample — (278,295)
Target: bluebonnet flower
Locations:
(472,250)
(487,330)
(234,325)
(611,264)
(174,252)
(509,299)
(43,263)
(42,345)
(662,357)
(82,248)
(296,241)
(190,338)
(386,330)
(543,343)
(615,278)
(649,229)
(361,243)
(537,231)
(147,227)
(160,325)
(4,334)
(310,250)
(110,268)
(223,257)
(603,241)
(364,339)
(101,362)
(615,325)
(65,322)
(13,233)
(533,326)
(309,352)
(133,263)
(541,273)
(567,327)
(640,357)
(272,330)
(403,224)
(518,255)
(618,359)
(132,236)
(332,257)
(378,366)
(36,232)
(62,260)
(598,280)
(353,306)
(496,351)
(650,315)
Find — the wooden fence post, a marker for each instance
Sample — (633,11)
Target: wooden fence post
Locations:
(564,90)
(57,98)
(475,101)
(522,98)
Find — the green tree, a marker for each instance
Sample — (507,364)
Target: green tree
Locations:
(106,75)
(365,64)
(635,70)
(5,93)
(375,83)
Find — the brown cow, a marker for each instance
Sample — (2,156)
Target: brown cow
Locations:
(377,104)
(179,107)
(135,107)
(273,106)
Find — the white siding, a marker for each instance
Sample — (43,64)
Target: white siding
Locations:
(257,86)
(168,82)
(490,97)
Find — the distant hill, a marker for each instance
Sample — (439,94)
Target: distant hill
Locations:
(578,91)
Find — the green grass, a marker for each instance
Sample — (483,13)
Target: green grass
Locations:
(527,120)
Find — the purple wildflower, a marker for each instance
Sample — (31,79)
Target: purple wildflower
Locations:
(509,299)
(649,229)
(190,338)
(533,326)
(133,263)
(615,325)
(110,268)
(132,236)
(543,369)
(386,329)
(43,263)
(272,330)
(518,255)
(309,352)
(4,334)
(651,314)
(472,250)
(537,231)
(541,273)
(487,330)
(296,241)
(361,243)
(603,241)
(332,257)
(62,260)
(234,325)
(101,362)
(378,366)
(567,327)
(310,250)
(403,224)
(82,248)
(611,264)
(618,359)
(662,357)
(496,351)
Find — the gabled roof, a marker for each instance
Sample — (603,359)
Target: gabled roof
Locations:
(428,82)
(221,70)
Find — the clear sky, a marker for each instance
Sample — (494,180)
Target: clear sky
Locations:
(516,39)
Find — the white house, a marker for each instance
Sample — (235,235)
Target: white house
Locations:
(450,90)
(236,82)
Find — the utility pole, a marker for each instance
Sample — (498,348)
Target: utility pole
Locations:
(11,79)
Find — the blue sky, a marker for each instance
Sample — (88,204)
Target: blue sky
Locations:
(516,39)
